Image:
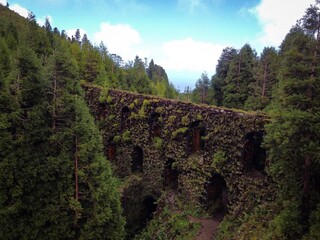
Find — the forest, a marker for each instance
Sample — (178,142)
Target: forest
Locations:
(57,183)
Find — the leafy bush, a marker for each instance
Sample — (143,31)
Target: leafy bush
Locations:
(169,225)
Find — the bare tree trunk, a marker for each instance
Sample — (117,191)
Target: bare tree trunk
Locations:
(54,114)
(76,169)
(264,82)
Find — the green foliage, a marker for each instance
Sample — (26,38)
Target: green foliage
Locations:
(104,96)
(237,87)
(169,225)
(293,134)
(179,131)
(219,158)
(222,68)
(172,119)
(48,140)
(117,138)
(202,92)
(126,136)
(226,229)
(157,142)
(314,229)
(185,120)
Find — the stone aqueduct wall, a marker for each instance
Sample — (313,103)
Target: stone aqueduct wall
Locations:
(159,144)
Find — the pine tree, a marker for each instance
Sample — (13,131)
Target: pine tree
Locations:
(48,140)
(293,136)
(92,195)
(222,68)
(265,75)
(237,87)
(202,92)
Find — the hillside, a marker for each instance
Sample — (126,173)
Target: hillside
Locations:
(72,116)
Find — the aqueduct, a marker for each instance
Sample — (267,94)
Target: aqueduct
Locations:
(207,154)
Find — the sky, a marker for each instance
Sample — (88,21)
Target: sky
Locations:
(185,37)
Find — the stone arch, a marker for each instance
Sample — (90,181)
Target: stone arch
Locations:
(137,160)
(216,195)
(155,127)
(149,207)
(111,149)
(170,175)
(125,113)
(254,156)
(198,132)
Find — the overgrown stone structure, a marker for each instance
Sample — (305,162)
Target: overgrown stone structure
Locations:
(210,156)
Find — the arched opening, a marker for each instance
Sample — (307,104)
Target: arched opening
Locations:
(254,156)
(170,175)
(155,128)
(216,198)
(125,113)
(111,151)
(137,160)
(198,134)
(138,208)
(149,207)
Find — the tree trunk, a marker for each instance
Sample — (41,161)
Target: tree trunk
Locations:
(54,114)
(76,196)
(264,81)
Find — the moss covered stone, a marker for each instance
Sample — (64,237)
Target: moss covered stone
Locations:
(202,141)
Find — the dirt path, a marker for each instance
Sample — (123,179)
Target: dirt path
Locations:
(208,227)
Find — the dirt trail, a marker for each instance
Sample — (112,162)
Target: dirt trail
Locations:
(208,227)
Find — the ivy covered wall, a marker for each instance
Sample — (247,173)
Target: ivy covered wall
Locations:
(159,144)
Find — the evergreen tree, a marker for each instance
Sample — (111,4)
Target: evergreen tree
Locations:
(293,136)
(265,75)
(54,180)
(237,87)
(77,36)
(222,68)
(202,92)
(47,24)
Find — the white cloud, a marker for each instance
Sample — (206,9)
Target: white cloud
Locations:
(41,21)
(121,39)
(20,10)
(190,56)
(72,32)
(184,60)
(277,17)
(3,2)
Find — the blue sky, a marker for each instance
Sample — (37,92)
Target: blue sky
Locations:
(186,37)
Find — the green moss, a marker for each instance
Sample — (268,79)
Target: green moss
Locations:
(159,109)
(199,117)
(171,119)
(111,117)
(219,158)
(104,94)
(109,99)
(145,102)
(117,138)
(142,113)
(157,142)
(131,106)
(225,131)
(185,120)
(126,136)
(179,131)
